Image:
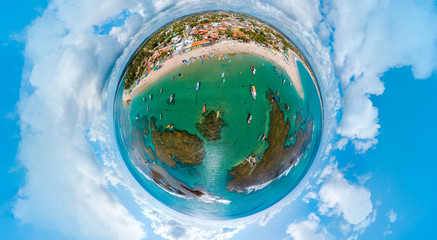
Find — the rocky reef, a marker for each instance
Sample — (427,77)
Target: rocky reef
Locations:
(277,158)
(211,126)
(172,145)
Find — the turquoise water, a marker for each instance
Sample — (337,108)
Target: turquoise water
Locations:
(230,95)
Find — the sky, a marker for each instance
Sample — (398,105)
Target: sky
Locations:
(63,178)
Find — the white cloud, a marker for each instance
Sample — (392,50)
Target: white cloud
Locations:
(308,229)
(66,65)
(304,11)
(340,197)
(371,37)
(392,216)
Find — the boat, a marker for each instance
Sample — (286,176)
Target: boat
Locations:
(264,137)
(287,107)
(150,96)
(160,91)
(249,118)
(259,137)
(204,107)
(160,116)
(224,80)
(218,114)
(171,98)
(251,68)
(251,159)
(223,74)
(289,84)
(137,116)
(197,86)
(277,93)
(283,81)
(144,99)
(253,91)
(172,78)
(254,71)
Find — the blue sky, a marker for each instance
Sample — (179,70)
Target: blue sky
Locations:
(373,179)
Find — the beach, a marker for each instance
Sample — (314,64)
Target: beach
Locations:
(222,48)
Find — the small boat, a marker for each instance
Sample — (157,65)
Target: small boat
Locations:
(251,159)
(249,118)
(289,84)
(230,61)
(171,98)
(223,74)
(160,91)
(137,116)
(150,96)
(172,78)
(253,91)
(251,68)
(254,71)
(277,93)
(224,80)
(279,99)
(204,107)
(283,81)
(291,137)
(287,107)
(218,114)
(144,99)
(264,137)
(160,116)
(259,137)
(197,86)
(147,108)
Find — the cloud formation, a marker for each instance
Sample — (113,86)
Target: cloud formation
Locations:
(309,229)
(341,201)
(340,197)
(369,38)
(66,65)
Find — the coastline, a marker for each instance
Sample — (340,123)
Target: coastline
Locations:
(222,48)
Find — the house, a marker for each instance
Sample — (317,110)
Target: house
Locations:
(200,44)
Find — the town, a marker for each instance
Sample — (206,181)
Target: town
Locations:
(198,31)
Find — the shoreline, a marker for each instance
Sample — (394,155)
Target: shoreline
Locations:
(222,48)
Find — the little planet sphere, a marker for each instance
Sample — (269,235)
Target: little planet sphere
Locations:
(218,115)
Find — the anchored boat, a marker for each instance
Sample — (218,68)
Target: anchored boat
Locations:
(249,118)
(197,86)
(171,98)
(253,91)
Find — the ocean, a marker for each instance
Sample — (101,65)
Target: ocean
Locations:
(225,87)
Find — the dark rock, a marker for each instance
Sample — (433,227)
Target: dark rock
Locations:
(177,145)
(211,126)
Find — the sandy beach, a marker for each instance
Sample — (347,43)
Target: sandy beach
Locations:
(223,48)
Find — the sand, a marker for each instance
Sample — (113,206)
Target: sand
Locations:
(221,48)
